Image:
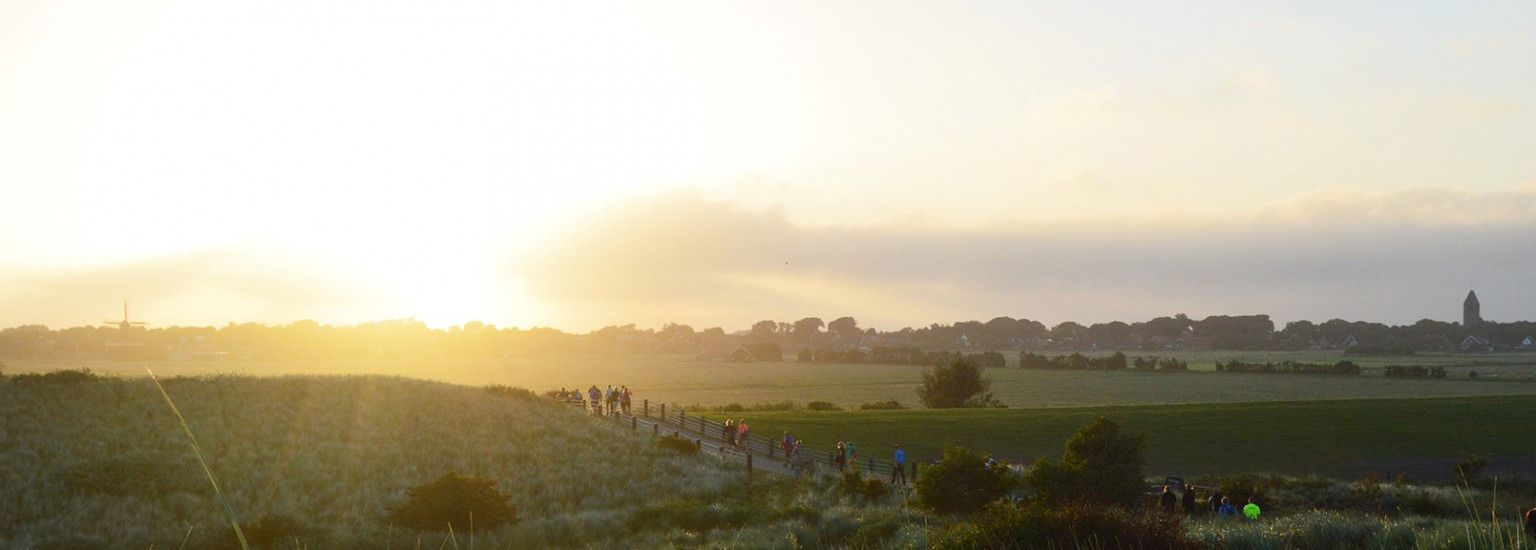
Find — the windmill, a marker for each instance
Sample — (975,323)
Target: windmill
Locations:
(124,325)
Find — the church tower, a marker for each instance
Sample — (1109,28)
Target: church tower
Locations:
(1471,312)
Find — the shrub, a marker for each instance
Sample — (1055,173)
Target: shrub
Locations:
(962,482)
(1099,465)
(453,500)
(58,377)
(1038,525)
(822,406)
(892,405)
(855,485)
(1469,469)
(873,532)
(691,515)
(271,531)
(135,473)
(959,384)
(678,444)
(512,392)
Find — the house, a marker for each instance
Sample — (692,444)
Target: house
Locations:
(1188,340)
(731,352)
(1476,343)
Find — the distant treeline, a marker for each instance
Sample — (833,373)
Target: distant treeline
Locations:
(409,338)
(1399,371)
(1116,361)
(1342,368)
(899,356)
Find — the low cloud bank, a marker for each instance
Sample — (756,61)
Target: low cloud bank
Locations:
(1394,258)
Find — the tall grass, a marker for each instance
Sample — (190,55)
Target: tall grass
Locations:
(198,450)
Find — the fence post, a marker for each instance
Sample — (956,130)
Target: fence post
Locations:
(645,405)
(749,464)
(634,424)
(872,464)
(655,429)
(682,415)
(699,443)
(914,470)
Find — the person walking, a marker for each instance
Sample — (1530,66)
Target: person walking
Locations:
(1167,500)
(853,455)
(840,458)
(1215,500)
(797,458)
(786,444)
(595,396)
(1191,507)
(741,435)
(1530,523)
(899,469)
(1226,510)
(625,396)
(1251,510)
(728,433)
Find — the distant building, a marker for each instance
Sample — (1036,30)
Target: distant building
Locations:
(730,352)
(1476,344)
(1471,312)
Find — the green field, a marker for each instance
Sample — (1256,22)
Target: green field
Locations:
(681,380)
(1347,438)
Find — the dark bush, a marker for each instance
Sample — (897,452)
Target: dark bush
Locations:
(870,489)
(872,534)
(271,531)
(1038,525)
(958,384)
(1099,466)
(1469,469)
(274,529)
(892,405)
(136,473)
(962,482)
(678,444)
(822,406)
(58,377)
(454,500)
(512,392)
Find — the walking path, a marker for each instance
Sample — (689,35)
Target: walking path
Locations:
(763,453)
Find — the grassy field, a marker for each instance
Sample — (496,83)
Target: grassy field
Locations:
(332,453)
(103,464)
(680,380)
(1421,436)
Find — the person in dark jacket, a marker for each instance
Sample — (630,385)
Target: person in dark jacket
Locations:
(1168,500)
(1191,507)
(1215,501)
(1530,523)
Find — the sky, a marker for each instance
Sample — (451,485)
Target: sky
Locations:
(578,164)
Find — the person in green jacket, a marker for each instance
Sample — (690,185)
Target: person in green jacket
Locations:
(1251,511)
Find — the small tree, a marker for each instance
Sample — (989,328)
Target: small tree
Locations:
(958,384)
(962,482)
(454,500)
(1099,466)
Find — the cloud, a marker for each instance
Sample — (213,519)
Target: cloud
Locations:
(211,286)
(1394,257)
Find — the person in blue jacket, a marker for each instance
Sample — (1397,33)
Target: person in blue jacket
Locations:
(899,470)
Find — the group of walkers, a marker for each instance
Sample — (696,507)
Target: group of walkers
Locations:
(1215,503)
(736,433)
(610,401)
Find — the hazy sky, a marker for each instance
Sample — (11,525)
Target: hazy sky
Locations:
(579,164)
